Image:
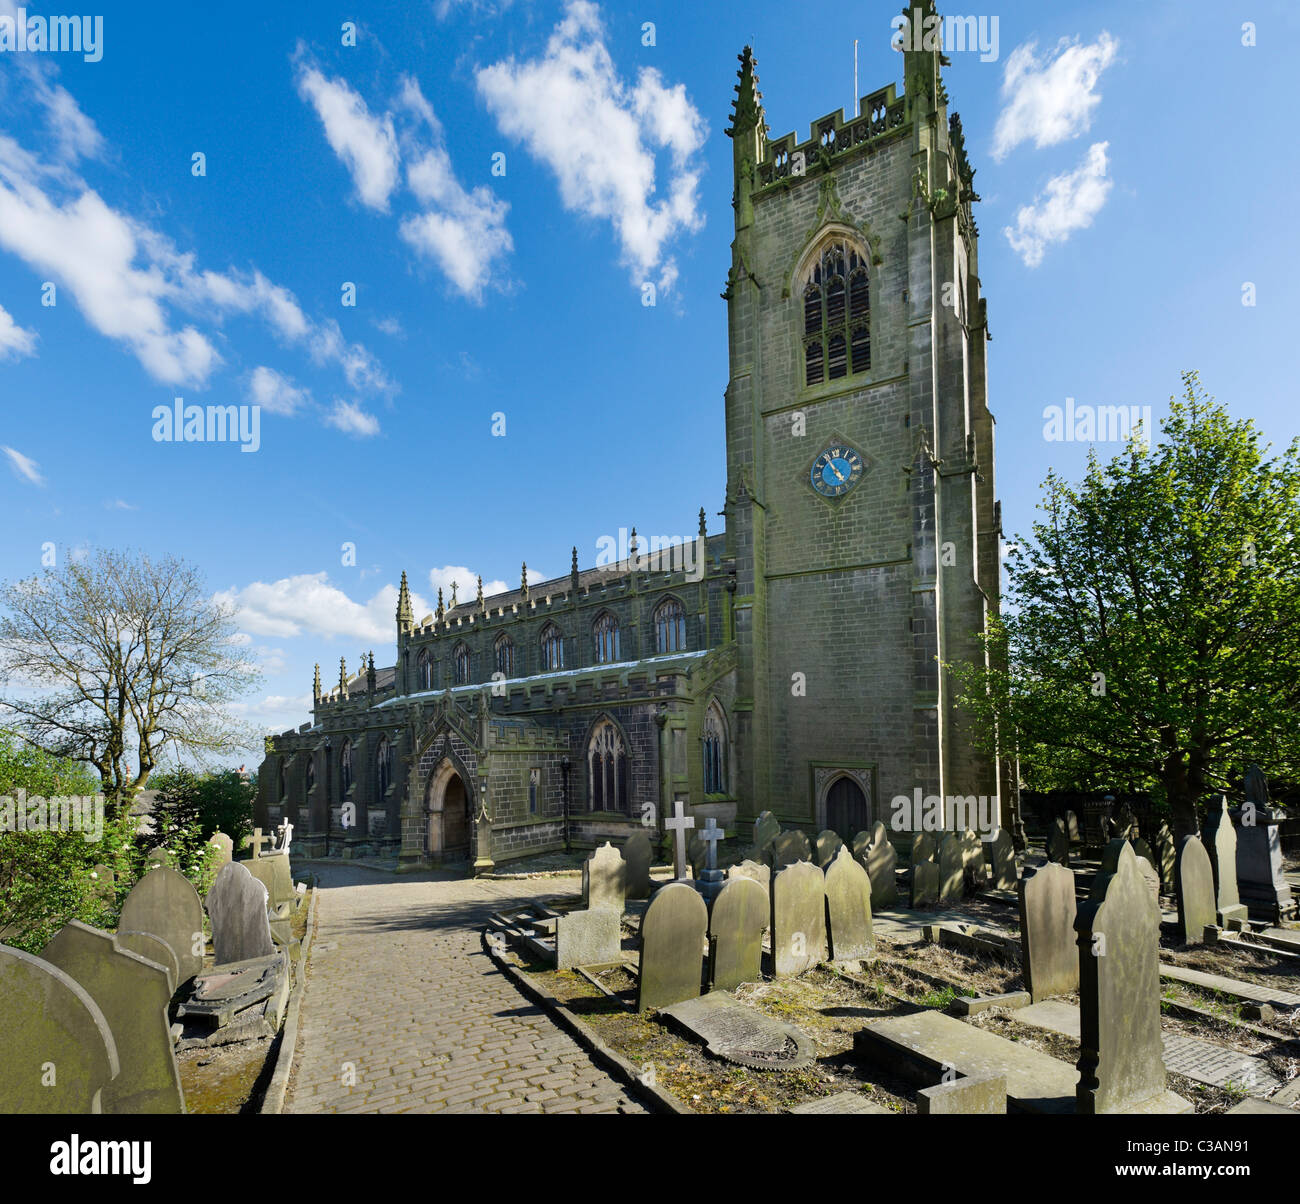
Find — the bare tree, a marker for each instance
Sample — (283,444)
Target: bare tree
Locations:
(114,657)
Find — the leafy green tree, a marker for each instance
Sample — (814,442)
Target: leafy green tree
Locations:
(1151,635)
(191,807)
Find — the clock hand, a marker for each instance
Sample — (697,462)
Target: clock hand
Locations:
(831,465)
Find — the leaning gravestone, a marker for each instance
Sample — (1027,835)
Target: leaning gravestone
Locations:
(237,908)
(952,869)
(165,904)
(825,847)
(133,995)
(742,1034)
(1058,843)
(606,879)
(1049,957)
(1195,891)
(736,926)
(636,855)
(848,908)
(1003,852)
(925,884)
(588,938)
(788,848)
(672,946)
(880,863)
(1222,846)
(798,918)
(152,949)
(766,830)
(1121,1050)
(761,874)
(48,1022)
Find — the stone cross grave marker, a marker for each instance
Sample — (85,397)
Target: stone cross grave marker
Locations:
(256,841)
(678,826)
(880,862)
(237,908)
(711,880)
(672,946)
(133,994)
(736,926)
(798,918)
(49,1022)
(1195,891)
(636,854)
(1121,1050)
(1049,956)
(848,908)
(165,904)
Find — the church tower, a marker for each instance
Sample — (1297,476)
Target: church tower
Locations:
(860,496)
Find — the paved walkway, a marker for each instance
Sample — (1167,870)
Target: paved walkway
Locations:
(402,999)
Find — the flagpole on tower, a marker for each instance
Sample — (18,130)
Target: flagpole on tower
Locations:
(855,77)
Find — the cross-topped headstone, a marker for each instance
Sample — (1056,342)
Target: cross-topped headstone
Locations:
(712,833)
(678,826)
(256,841)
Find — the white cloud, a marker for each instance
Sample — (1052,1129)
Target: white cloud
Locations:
(599,135)
(275,393)
(24,467)
(275,713)
(119,504)
(366,144)
(352,420)
(1050,101)
(309,604)
(1068,203)
(15,341)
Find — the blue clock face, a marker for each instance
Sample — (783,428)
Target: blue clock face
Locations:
(836,470)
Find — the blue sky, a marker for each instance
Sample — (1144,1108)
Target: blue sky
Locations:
(1140,156)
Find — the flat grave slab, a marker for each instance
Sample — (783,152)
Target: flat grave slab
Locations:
(741,1034)
(924,1045)
(843,1103)
(1231,986)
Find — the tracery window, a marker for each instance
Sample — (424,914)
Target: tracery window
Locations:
(670,626)
(715,751)
(552,644)
(384,765)
(606,636)
(460,662)
(424,670)
(345,767)
(607,768)
(504,650)
(837,315)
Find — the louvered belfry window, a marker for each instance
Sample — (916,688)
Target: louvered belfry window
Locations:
(837,315)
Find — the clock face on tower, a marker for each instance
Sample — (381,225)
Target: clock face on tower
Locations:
(836,470)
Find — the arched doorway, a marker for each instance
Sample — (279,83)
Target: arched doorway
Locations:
(447,804)
(846,808)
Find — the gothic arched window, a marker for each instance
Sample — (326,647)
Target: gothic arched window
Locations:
(384,765)
(837,314)
(460,662)
(311,775)
(670,626)
(424,670)
(504,650)
(345,767)
(715,750)
(607,768)
(552,648)
(606,635)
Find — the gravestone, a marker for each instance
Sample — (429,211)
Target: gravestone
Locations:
(678,826)
(952,869)
(788,848)
(1003,853)
(588,938)
(1221,844)
(826,845)
(1058,843)
(1126,823)
(237,908)
(152,949)
(742,1034)
(881,862)
(1049,957)
(925,884)
(167,906)
(766,830)
(861,843)
(1261,879)
(1142,849)
(761,874)
(709,880)
(1121,1049)
(840,1104)
(976,863)
(848,908)
(736,926)
(672,946)
(1110,863)
(636,855)
(273,872)
(1166,856)
(224,845)
(798,918)
(133,994)
(973,1095)
(158,856)
(57,1053)
(1195,891)
(924,847)
(606,879)
(1072,828)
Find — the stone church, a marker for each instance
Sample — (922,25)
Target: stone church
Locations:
(792,662)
